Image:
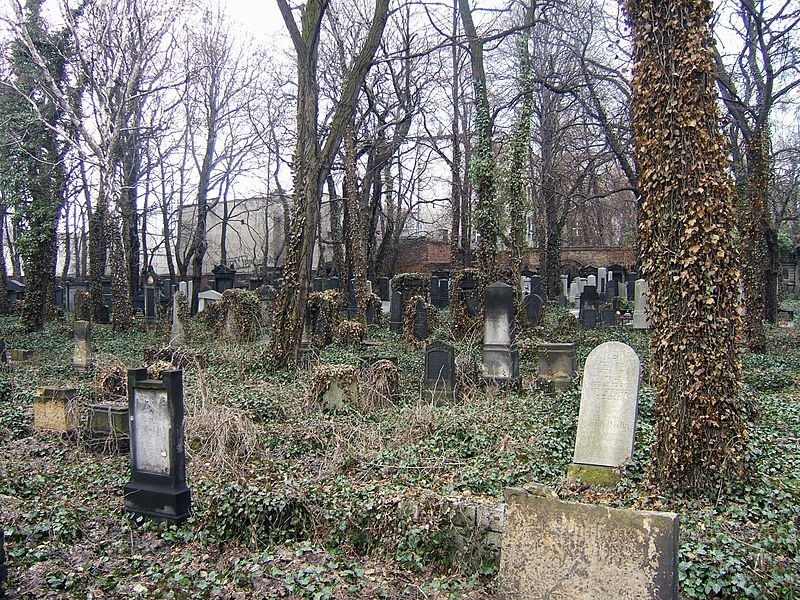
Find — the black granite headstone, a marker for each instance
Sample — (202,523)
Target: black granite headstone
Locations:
(224,277)
(255,283)
(589,317)
(396,313)
(533,308)
(435,291)
(3,353)
(444,293)
(440,372)
(589,298)
(317,284)
(157,487)
(332,283)
(383,288)
(536,285)
(105,314)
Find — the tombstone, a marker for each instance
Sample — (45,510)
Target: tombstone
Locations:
(3,353)
(557,549)
(589,298)
(224,278)
(525,285)
(15,290)
(105,314)
(383,288)
(206,298)
(352,300)
(565,285)
(602,275)
(536,285)
(444,293)
(254,283)
(396,313)
(332,283)
(55,409)
(533,308)
(582,283)
(500,355)
(589,317)
(420,321)
(592,281)
(640,320)
(176,332)
(630,284)
(557,364)
(607,416)
(440,372)
(150,299)
(369,287)
(157,487)
(82,355)
(575,293)
(469,296)
(58,297)
(622,291)
(434,291)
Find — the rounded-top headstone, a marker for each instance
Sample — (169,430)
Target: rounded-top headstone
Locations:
(607,417)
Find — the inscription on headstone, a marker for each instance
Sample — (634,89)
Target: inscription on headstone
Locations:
(556,550)
(607,417)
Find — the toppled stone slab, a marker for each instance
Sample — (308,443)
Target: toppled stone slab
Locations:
(565,550)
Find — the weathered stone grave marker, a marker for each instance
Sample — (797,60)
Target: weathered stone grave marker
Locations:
(206,298)
(420,321)
(151,298)
(560,550)
(55,409)
(500,355)
(607,417)
(440,372)
(640,320)
(82,355)
(533,308)
(557,364)
(396,313)
(157,487)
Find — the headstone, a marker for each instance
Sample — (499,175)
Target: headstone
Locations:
(640,320)
(630,284)
(589,317)
(383,287)
(254,283)
(396,313)
(224,278)
(589,298)
(176,332)
(58,297)
(82,355)
(369,287)
(607,417)
(151,292)
(105,314)
(332,283)
(317,284)
(533,308)
(575,293)
(352,300)
(525,284)
(566,550)
(157,487)
(435,291)
(622,291)
(591,280)
(536,285)
(420,321)
(444,293)
(55,409)
(3,353)
(206,298)
(500,356)
(557,363)
(565,285)
(440,372)
(602,282)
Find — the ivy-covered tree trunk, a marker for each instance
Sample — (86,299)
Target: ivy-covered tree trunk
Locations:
(121,317)
(98,250)
(552,222)
(4,303)
(357,251)
(688,257)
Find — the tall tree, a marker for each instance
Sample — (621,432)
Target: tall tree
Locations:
(31,155)
(686,235)
(312,159)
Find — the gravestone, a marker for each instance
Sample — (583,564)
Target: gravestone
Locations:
(3,353)
(317,284)
(589,298)
(396,313)
(444,293)
(55,409)
(440,372)
(105,314)
(157,487)
(630,284)
(176,332)
(575,293)
(557,364)
(352,300)
(640,320)
(434,285)
(500,356)
(607,416)
(82,354)
(589,317)
(565,285)
(151,292)
(553,549)
(383,288)
(533,308)
(332,283)
(206,298)
(602,282)
(254,283)
(224,278)
(536,285)
(591,280)
(420,321)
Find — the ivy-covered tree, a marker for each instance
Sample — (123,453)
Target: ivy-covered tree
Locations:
(687,246)
(31,167)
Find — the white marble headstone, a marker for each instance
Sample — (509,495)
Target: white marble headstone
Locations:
(152,426)
(609,395)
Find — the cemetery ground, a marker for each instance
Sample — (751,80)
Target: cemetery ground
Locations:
(292,500)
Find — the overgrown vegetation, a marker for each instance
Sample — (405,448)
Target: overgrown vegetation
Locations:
(291,499)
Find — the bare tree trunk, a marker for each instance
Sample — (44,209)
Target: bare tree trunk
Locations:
(456,255)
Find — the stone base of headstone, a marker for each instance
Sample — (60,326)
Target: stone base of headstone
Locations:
(557,364)
(500,364)
(55,409)
(108,426)
(594,475)
(159,502)
(640,320)
(557,549)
